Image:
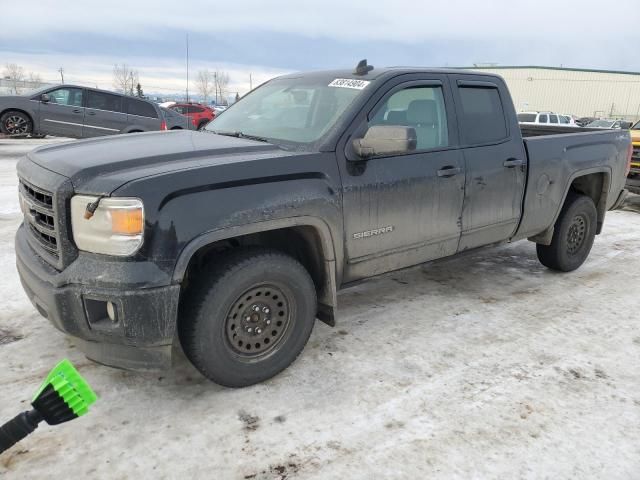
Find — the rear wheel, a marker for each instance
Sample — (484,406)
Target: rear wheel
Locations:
(573,236)
(16,123)
(249,318)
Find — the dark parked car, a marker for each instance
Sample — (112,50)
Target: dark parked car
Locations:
(235,239)
(78,112)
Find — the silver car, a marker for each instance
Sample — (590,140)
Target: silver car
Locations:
(78,112)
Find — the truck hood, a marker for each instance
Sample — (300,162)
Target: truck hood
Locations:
(635,136)
(101,165)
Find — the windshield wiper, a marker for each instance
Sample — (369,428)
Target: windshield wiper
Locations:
(242,135)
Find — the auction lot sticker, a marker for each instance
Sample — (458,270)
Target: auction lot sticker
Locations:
(349,83)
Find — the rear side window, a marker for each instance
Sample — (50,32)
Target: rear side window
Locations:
(104,101)
(553,119)
(140,108)
(544,119)
(483,119)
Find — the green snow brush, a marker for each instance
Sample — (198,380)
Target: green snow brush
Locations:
(63,396)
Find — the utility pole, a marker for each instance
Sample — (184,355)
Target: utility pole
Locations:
(187,67)
(215,85)
(61,74)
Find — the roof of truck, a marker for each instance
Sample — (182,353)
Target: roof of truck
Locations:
(380,72)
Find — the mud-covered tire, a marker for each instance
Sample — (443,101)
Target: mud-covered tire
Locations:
(248,317)
(15,122)
(573,236)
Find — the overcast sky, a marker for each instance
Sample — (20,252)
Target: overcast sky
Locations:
(269,37)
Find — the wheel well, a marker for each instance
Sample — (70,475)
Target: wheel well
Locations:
(176,128)
(302,242)
(595,186)
(17,110)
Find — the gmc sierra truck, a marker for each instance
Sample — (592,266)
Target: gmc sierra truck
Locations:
(233,240)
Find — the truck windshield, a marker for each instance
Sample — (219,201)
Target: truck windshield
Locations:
(289,110)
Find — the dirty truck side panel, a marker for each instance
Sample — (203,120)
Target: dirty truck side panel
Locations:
(398,211)
(556,160)
(495,160)
(195,210)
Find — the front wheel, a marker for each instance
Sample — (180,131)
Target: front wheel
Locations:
(573,235)
(16,123)
(248,318)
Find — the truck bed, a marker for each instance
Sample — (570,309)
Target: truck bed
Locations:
(557,155)
(541,130)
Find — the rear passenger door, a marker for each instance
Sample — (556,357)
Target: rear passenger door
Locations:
(495,160)
(103,114)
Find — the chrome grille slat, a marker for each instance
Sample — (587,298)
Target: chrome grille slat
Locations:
(41,217)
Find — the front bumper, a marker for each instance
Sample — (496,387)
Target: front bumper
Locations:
(74,301)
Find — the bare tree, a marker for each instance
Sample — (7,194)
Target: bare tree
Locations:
(35,80)
(125,79)
(221,80)
(205,84)
(15,75)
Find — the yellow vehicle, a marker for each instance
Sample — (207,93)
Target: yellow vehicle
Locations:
(635,159)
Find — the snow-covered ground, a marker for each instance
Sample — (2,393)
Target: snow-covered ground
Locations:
(487,366)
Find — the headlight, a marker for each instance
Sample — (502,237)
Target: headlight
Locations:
(116,227)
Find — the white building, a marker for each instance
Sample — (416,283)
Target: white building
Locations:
(585,93)
(8,87)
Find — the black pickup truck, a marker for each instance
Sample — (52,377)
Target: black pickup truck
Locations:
(233,240)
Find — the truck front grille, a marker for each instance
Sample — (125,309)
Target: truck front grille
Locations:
(636,153)
(40,217)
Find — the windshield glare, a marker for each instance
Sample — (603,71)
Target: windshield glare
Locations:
(290,110)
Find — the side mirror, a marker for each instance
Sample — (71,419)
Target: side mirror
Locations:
(625,125)
(44,98)
(385,140)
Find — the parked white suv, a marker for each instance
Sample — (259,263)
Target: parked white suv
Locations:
(545,118)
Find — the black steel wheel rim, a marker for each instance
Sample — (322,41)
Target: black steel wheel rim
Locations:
(576,234)
(16,125)
(258,321)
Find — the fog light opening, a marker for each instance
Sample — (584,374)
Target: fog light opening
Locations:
(111,312)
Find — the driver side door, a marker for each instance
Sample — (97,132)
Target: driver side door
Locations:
(63,114)
(402,210)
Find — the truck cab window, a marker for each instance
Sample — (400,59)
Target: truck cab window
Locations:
(483,118)
(421,108)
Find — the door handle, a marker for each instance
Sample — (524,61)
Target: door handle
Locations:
(513,162)
(92,113)
(77,110)
(449,171)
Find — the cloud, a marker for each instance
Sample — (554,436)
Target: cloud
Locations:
(266,38)
(406,21)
